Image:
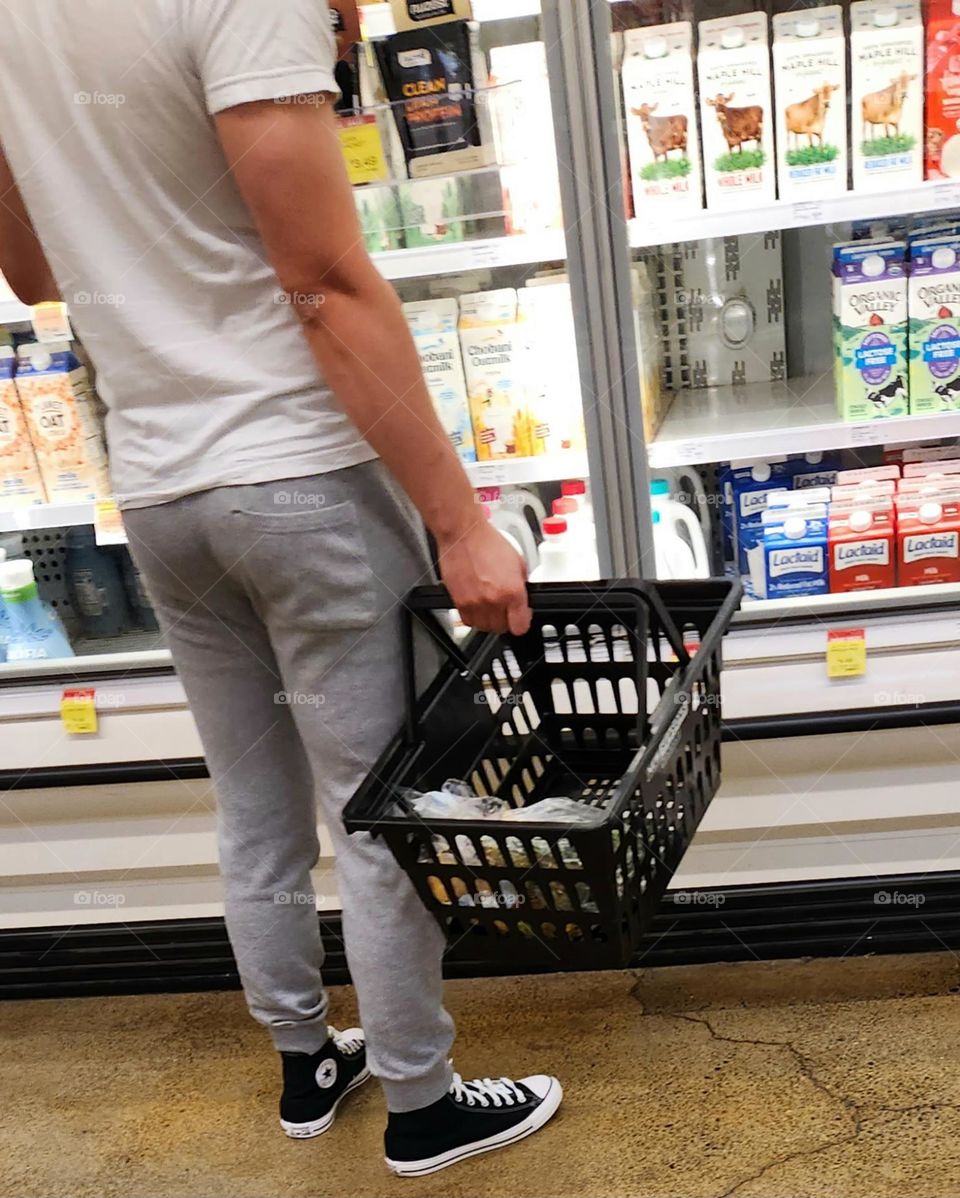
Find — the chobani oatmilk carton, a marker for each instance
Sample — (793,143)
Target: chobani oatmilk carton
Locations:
(736,112)
(870,330)
(810,85)
(887,79)
(491,340)
(934,327)
(661,106)
(434,325)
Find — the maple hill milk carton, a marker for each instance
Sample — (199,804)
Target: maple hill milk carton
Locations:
(934,327)
(661,107)
(887,87)
(434,325)
(736,115)
(870,329)
(810,84)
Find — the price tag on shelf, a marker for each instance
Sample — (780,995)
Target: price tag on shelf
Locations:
(108,523)
(846,653)
(363,149)
(808,213)
(868,434)
(691,452)
(78,712)
(51,322)
(490,474)
(947,194)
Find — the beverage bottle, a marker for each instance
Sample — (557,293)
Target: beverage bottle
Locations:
(558,557)
(683,526)
(581,535)
(36,633)
(94,585)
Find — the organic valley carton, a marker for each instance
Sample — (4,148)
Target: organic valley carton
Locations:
(942,143)
(934,327)
(810,85)
(492,359)
(433,324)
(661,107)
(870,332)
(20,482)
(60,410)
(736,114)
(886,84)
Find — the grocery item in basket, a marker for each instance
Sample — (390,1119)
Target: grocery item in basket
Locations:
(870,330)
(661,109)
(736,114)
(862,547)
(934,330)
(492,342)
(928,534)
(433,324)
(942,143)
(20,481)
(810,84)
(886,85)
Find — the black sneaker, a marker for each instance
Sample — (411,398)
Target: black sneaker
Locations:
(314,1085)
(472,1117)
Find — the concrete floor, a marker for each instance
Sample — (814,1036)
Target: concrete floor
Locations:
(836,1078)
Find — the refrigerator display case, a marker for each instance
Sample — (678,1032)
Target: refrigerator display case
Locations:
(685,335)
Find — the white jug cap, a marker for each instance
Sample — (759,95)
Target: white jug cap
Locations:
(733,38)
(657,47)
(861,520)
(810,27)
(930,513)
(15,575)
(794,528)
(886,18)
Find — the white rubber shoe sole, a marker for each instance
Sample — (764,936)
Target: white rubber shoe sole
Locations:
(307,1131)
(543,1114)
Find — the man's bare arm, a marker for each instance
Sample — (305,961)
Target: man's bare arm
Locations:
(22,261)
(288,164)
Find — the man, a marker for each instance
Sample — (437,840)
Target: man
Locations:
(182,155)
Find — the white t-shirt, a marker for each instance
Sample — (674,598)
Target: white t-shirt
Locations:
(105,117)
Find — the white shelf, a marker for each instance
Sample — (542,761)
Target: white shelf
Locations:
(718,424)
(47,515)
(782,214)
(518,471)
(13,312)
(854,605)
(455,256)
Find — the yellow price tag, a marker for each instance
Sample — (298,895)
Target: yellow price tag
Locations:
(363,149)
(847,653)
(51,323)
(78,711)
(108,523)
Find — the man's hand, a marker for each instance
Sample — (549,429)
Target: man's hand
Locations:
(487,579)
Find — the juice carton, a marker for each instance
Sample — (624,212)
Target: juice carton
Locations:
(942,146)
(434,325)
(810,85)
(736,114)
(795,557)
(20,482)
(934,325)
(862,544)
(551,368)
(491,340)
(928,537)
(661,107)
(887,78)
(61,416)
(870,294)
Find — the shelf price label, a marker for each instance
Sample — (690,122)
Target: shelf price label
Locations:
(363,149)
(108,523)
(78,712)
(51,322)
(846,653)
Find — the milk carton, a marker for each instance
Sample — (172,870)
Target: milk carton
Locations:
(434,325)
(928,536)
(942,143)
(887,77)
(746,487)
(810,86)
(61,415)
(862,548)
(551,368)
(934,327)
(736,113)
(871,334)
(931,469)
(795,556)
(492,359)
(661,107)
(815,469)
(869,475)
(20,482)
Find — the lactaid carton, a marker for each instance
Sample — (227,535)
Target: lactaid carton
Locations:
(928,469)
(795,556)
(749,485)
(934,328)
(815,469)
(869,475)
(862,545)
(928,536)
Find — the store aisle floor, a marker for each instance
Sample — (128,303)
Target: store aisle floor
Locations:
(822,1078)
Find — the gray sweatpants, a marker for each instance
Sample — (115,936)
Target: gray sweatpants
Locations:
(280,605)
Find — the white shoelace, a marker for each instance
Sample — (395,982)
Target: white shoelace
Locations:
(348,1045)
(499,1091)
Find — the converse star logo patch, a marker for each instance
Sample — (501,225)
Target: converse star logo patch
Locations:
(327,1073)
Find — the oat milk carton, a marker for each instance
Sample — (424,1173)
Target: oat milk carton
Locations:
(810,85)
(20,482)
(886,84)
(870,294)
(736,114)
(935,324)
(434,325)
(491,340)
(661,107)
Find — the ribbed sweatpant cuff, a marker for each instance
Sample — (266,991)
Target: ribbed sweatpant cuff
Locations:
(423,1091)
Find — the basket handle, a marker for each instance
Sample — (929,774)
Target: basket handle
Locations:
(423,603)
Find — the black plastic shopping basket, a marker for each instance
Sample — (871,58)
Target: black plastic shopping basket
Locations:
(612,699)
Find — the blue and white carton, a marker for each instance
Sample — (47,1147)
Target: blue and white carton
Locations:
(795,557)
